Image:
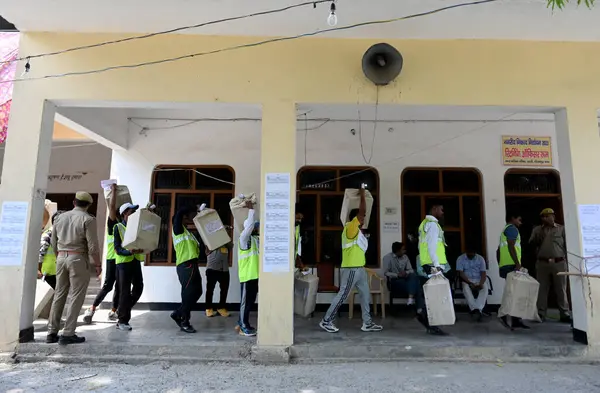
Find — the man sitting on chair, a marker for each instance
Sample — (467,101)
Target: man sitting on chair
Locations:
(472,270)
(401,274)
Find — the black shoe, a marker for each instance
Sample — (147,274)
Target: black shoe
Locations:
(74,339)
(188,328)
(52,338)
(479,316)
(423,320)
(518,323)
(504,322)
(486,314)
(566,319)
(175,317)
(436,331)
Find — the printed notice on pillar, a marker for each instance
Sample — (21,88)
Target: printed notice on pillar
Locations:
(589,221)
(13,228)
(276,236)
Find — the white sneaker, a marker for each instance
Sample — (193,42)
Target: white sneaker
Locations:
(329,327)
(112,315)
(87,316)
(124,326)
(371,327)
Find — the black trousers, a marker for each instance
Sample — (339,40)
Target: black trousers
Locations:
(50,280)
(249,293)
(212,278)
(109,282)
(423,316)
(131,286)
(191,288)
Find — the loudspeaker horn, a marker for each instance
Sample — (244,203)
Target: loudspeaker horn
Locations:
(382,63)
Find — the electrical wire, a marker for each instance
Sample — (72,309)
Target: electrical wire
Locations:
(250,45)
(169,31)
(362,151)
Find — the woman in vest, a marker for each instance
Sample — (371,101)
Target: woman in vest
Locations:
(187,251)
(248,257)
(432,256)
(509,260)
(110,277)
(47,261)
(353,273)
(129,270)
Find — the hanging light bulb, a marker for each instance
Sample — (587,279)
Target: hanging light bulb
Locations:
(332,19)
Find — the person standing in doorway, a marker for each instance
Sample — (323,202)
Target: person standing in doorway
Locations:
(353,273)
(129,270)
(298,239)
(110,277)
(47,261)
(473,275)
(432,256)
(217,271)
(248,263)
(187,252)
(509,260)
(549,241)
(75,238)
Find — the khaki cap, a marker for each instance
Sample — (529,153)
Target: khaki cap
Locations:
(546,212)
(84,197)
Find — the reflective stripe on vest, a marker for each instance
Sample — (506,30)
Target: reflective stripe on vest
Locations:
(440,249)
(121,258)
(186,247)
(505,258)
(352,254)
(248,261)
(49,262)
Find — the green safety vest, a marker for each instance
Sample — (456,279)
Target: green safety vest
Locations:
(129,258)
(352,254)
(186,247)
(248,261)
(505,258)
(297,241)
(110,245)
(440,250)
(49,262)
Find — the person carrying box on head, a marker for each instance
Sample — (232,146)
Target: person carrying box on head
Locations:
(248,265)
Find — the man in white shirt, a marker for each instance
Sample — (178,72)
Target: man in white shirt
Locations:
(472,272)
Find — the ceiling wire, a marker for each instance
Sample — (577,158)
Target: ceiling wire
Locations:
(163,32)
(250,45)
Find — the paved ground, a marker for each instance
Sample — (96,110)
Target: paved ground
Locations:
(346,378)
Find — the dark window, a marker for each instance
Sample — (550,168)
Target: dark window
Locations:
(175,187)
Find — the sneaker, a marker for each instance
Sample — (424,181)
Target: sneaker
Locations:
(479,315)
(329,327)
(124,326)
(410,301)
(436,331)
(52,338)
(210,313)
(87,316)
(176,318)
(74,339)
(246,331)
(112,315)
(371,327)
(223,312)
(504,322)
(187,328)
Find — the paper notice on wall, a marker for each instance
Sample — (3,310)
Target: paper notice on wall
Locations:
(276,258)
(13,229)
(589,222)
(391,227)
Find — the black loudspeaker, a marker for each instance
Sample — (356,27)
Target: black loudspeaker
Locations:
(382,63)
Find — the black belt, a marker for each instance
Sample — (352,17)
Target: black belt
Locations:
(552,260)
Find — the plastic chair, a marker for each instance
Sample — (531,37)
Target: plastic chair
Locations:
(377,289)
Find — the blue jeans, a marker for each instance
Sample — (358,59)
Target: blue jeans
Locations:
(408,285)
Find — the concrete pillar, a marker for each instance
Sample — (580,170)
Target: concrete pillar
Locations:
(276,289)
(24,179)
(578,140)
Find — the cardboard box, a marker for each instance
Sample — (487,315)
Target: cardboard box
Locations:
(352,201)
(123,195)
(44,294)
(439,302)
(305,294)
(49,209)
(211,229)
(520,297)
(143,231)
(239,209)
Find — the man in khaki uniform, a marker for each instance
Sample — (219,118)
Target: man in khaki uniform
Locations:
(75,241)
(551,251)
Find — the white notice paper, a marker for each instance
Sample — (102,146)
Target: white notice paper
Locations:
(276,258)
(589,221)
(105,184)
(13,228)
(391,227)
